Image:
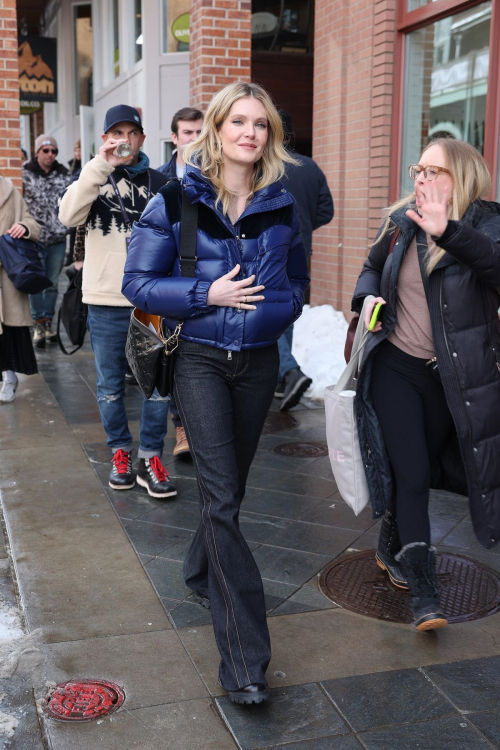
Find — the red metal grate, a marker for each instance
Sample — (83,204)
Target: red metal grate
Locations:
(468,589)
(83,700)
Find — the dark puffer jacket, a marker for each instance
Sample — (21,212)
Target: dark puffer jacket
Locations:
(463,304)
(266,242)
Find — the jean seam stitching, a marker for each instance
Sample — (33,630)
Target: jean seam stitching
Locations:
(217,555)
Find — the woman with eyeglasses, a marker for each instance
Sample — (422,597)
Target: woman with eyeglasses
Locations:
(428,403)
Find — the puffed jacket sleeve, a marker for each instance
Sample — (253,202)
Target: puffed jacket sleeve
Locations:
(152,256)
(473,249)
(297,270)
(371,273)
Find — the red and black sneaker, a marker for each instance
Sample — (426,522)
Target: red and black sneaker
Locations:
(121,476)
(154,477)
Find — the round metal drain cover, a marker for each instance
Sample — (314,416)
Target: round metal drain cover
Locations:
(277,421)
(83,700)
(301,450)
(468,589)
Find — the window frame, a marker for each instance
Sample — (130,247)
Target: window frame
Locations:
(408,21)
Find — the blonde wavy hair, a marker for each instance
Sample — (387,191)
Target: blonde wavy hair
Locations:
(206,151)
(471,180)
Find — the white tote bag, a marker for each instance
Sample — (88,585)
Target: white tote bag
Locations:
(342,430)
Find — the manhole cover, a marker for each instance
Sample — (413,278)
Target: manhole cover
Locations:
(277,421)
(83,700)
(468,589)
(301,450)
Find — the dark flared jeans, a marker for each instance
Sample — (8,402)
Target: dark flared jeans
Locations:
(223,399)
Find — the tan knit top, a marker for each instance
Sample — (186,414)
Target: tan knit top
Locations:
(413,332)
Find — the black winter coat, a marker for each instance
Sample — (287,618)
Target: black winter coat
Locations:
(309,187)
(463,303)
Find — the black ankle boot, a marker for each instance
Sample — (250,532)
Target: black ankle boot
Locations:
(418,563)
(389,544)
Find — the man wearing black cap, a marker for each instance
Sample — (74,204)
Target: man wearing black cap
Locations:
(108,195)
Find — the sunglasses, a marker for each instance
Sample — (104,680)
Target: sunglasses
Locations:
(49,151)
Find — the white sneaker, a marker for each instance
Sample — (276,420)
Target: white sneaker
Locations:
(8,391)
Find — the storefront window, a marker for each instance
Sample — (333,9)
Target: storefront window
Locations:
(175,15)
(137,30)
(414,4)
(446,76)
(284,26)
(83,55)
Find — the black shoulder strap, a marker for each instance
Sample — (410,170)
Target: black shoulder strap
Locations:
(421,253)
(189,226)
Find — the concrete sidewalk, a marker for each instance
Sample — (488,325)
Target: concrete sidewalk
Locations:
(100,573)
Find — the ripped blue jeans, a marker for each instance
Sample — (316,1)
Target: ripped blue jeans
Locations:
(108,328)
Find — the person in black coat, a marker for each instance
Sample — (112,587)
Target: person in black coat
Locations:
(308,185)
(428,394)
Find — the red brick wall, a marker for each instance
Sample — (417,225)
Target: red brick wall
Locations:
(10,134)
(220,46)
(353,78)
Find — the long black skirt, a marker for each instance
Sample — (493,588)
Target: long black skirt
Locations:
(16,350)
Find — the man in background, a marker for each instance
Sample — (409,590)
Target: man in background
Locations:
(186,127)
(44,181)
(308,185)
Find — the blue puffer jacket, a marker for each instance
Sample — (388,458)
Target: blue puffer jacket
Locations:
(266,242)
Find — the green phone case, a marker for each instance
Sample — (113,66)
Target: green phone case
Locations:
(374,317)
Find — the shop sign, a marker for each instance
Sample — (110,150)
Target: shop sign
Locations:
(29,106)
(37,69)
(180,28)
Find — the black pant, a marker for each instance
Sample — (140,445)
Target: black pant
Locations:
(415,421)
(223,399)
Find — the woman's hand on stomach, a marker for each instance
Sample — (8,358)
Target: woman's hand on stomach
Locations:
(225,292)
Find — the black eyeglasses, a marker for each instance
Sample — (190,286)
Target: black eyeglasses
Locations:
(49,150)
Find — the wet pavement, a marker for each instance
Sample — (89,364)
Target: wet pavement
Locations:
(339,680)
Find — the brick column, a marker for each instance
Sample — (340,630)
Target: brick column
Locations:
(219,47)
(10,132)
(353,75)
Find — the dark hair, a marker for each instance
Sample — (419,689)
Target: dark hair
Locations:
(186,113)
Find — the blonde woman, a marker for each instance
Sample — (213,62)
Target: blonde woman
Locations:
(429,388)
(251,273)
(16,349)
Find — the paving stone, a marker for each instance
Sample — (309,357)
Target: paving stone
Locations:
(279,504)
(341,742)
(441,527)
(152,539)
(190,615)
(448,505)
(445,734)
(288,566)
(309,537)
(463,536)
(301,484)
(275,593)
(488,724)
(301,712)
(191,725)
(306,599)
(335,512)
(167,578)
(260,528)
(130,505)
(148,666)
(181,514)
(388,698)
(472,685)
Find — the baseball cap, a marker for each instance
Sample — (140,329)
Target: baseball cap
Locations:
(121,113)
(45,140)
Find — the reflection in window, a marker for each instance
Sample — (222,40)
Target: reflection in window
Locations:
(137,30)
(116,38)
(414,4)
(83,55)
(446,79)
(175,15)
(283,25)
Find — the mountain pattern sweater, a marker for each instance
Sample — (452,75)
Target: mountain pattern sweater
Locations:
(91,200)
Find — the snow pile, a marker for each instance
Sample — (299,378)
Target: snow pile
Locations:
(318,346)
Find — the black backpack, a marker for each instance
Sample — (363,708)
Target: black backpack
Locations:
(22,260)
